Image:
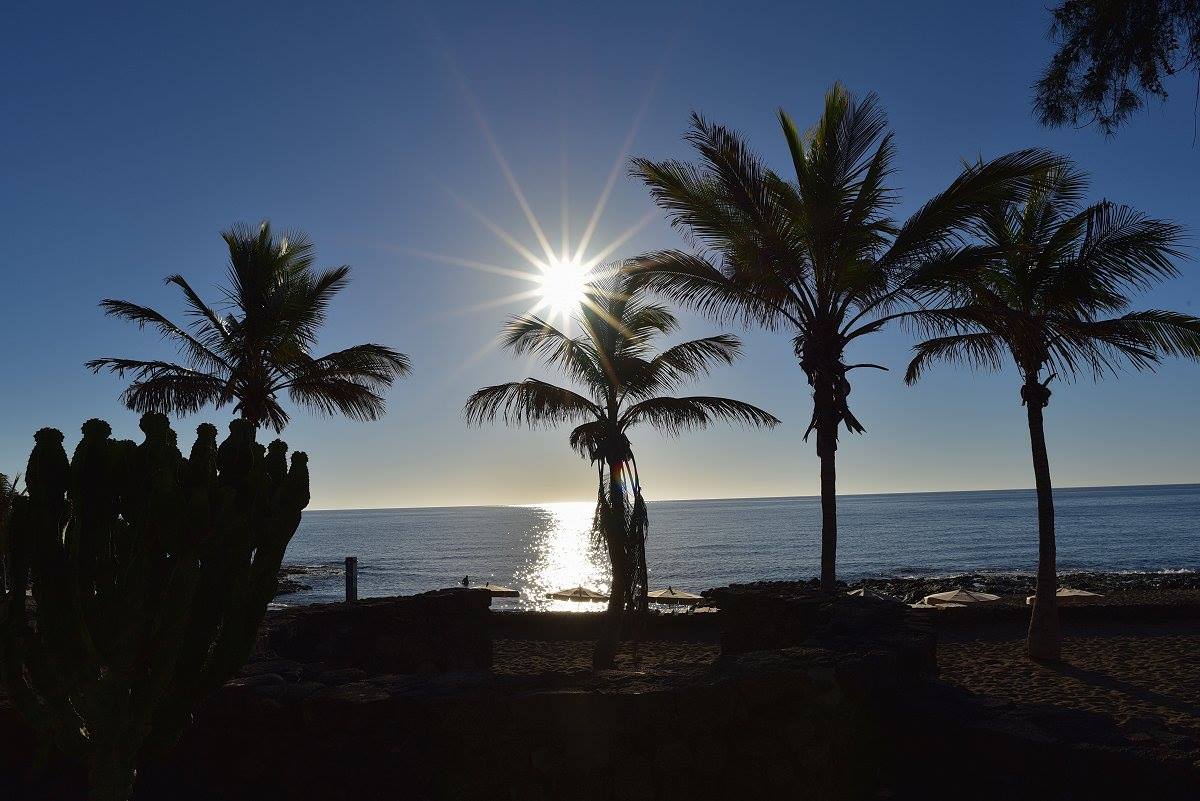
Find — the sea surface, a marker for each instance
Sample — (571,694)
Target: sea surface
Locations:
(694,545)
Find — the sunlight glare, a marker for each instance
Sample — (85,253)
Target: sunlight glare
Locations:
(564,555)
(563,286)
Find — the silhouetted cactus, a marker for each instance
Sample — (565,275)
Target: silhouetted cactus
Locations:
(150,574)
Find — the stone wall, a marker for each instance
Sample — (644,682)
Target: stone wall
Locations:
(392,699)
(798,722)
(434,632)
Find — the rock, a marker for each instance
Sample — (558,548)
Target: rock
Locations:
(332,678)
(258,680)
(290,693)
(287,668)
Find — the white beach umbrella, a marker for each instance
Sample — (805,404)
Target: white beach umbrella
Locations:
(577,594)
(1067,595)
(496,590)
(958,597)
(923,605)
(869,592)
(673,596)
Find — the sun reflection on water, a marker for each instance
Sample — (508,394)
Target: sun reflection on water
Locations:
(561,554)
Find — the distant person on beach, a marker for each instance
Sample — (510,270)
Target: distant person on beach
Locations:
(466,582)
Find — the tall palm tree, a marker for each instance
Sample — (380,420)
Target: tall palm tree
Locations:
(622,383)
(258,345)
(1052,274)
(817,255)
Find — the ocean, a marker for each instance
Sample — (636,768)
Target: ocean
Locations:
(694,545)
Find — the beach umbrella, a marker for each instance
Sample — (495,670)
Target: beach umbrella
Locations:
(577,594)
(496,590)
(923,605)
(673,596)
(958,597)
(1067,595)
(868,592)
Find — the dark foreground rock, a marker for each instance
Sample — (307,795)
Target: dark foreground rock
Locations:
(811,697)
(365,703)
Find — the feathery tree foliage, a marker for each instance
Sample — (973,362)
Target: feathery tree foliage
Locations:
(8,493)
(817,255)
(260,347)
(624,382)
(1051,273)
(1112,56)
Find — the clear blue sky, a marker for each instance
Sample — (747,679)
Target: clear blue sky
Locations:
(132,135)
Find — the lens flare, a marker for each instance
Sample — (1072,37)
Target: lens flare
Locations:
(563,286)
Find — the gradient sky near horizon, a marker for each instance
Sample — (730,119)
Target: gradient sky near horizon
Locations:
(132,135)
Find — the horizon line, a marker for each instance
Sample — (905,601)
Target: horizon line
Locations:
(751,497)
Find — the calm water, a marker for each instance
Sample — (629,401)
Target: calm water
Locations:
(699,544)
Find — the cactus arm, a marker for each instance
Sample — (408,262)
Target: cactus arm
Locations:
(151,575)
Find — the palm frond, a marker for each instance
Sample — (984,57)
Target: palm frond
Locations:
(327,393)
(530,334)
(948,217)
(1168,333)
(175,390)
(304,304)
(692,281)
(196,352)
(213,327)
(1139,339)
(673,416)
(375,366)
(683,362)
(530,402)
(980,350)
(586,438)
(1122,247)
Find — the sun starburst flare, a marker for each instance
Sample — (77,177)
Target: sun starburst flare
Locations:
(563,282)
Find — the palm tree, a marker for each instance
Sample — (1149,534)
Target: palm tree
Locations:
(817,256)
(258,346)
(622,382)
(1052,274)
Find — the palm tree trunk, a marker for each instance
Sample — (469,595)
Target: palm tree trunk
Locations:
(827,451)
(605,653)
(1044,640)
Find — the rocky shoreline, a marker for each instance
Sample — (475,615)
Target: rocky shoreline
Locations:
(911,589)
(288,584)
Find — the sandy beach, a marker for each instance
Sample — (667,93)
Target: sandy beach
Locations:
(1144,677)
(1129,659)
(534,657)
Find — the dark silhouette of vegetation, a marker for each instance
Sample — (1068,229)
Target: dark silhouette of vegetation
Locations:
(816,255)
(1112,56)
(8,492)
(1047,275)
(277,304)
(623,382)
(150,576)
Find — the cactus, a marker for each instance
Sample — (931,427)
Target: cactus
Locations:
(150,576)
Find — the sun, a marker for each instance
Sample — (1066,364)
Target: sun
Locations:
(560,282)
(563,285)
